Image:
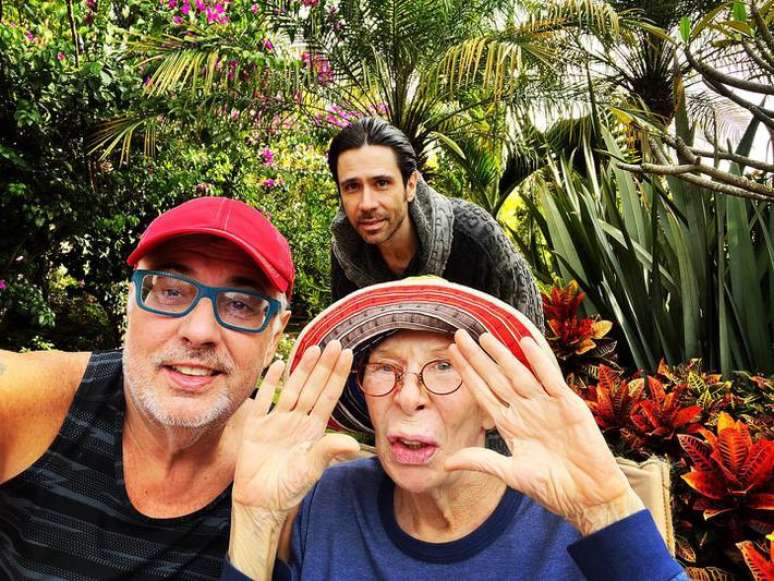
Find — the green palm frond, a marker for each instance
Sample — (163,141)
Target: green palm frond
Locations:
(541,38)
(122,131)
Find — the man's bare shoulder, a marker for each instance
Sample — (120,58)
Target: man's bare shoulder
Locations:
(41,373)
(36,390)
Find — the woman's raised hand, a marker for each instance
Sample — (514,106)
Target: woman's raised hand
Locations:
(285,451)
(559,457)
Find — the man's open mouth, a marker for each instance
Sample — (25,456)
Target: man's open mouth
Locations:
(194,371)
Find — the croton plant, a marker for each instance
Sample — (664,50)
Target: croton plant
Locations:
(717,433)
(580,343)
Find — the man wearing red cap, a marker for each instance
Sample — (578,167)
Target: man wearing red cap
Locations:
(119,464)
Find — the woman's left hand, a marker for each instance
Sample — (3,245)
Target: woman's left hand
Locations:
(559,457)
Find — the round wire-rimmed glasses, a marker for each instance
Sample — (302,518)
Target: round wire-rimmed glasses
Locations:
(379,379)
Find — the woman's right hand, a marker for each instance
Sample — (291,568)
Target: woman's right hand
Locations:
(285,451)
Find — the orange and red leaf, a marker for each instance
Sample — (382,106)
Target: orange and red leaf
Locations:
(762,569)
(733,449)
(697,451)
(706,483)
(761,501)
(758,467)
(687,415)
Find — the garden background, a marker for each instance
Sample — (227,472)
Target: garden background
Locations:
(625,147)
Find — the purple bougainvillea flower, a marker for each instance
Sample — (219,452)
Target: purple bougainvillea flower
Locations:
(268,183)
(201,6)
(185,9)
(171,4)
(267,45)
(267,155)
(232,66)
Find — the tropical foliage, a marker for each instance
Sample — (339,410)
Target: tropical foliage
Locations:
(684,273)
(579,343)
(625,146)
(722,501)
(722,468)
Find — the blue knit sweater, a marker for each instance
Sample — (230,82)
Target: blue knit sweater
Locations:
(346,529)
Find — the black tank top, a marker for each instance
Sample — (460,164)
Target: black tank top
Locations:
(68,516)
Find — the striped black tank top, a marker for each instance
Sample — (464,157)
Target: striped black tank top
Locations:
(68,516)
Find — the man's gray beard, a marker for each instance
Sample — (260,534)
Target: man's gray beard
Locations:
(139,386)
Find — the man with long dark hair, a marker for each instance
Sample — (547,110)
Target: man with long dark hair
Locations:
(392,225)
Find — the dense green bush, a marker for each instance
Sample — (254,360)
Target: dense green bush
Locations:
(70,214)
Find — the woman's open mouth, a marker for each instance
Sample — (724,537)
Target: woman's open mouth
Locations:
(409,450)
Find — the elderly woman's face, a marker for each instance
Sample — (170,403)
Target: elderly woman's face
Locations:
(417,430)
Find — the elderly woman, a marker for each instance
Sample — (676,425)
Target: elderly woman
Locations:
(436,366)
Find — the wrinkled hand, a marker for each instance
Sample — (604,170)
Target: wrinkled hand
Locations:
(284,452)
(559,456)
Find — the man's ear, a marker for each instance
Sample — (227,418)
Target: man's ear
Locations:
(411,186)
(276,334)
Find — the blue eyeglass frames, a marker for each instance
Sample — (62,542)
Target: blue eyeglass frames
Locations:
(175,295)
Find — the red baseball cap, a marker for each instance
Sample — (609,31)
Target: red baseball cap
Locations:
(229,219)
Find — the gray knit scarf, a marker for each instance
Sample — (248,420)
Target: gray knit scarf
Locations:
(433,220)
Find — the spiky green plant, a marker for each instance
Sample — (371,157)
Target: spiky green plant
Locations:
(684,272)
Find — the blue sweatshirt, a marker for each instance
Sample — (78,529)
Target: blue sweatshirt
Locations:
(346,529)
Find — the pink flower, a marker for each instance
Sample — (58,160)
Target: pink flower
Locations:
(217,14)
(232,65)
(201,6)
(310,3)
(91,4)
(267,45)
(60,56)
(268,183)
(234,114)
(254,8)
(267,155)
(3,285)
(320,65)
(171,4)
(177,19)
(29,36)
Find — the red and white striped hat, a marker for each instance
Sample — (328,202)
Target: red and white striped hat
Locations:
(425,303)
